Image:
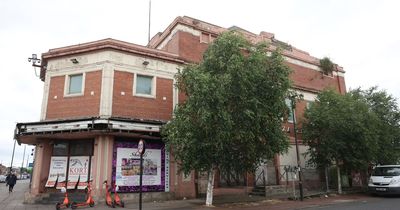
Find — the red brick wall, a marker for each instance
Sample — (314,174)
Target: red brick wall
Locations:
(86,105)
(186,46)
(190,47)
(178,186)
(300,109)
(173,45)
(311,79)
(139,107)
(181,97)
(342,84)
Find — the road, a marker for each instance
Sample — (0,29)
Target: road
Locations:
(378,203)
(14,201)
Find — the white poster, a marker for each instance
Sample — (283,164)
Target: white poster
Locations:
(128,167)
(78,172)
(57,171)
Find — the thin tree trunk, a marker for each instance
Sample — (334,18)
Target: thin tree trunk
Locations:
(339,179)
(210,187)
(327,179)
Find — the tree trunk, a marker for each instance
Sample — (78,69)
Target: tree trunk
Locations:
(327,179)
(339,180)
(210,187)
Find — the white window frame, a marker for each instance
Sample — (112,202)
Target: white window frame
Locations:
(67,82)
(153,86)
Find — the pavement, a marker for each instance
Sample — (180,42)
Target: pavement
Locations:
(14,201)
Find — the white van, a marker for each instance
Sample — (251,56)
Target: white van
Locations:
(385,179)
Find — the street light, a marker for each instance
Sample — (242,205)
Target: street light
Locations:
(35,60)
(12,157)
(22,165)
(293,97)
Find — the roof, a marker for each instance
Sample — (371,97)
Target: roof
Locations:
(108,44)
(288,50)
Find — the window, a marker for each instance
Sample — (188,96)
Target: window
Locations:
(81,148)
(386,171)
(73,148)
(75,84)
(144,85)
(309,104)
(205,38)
(60,149)
(290,111)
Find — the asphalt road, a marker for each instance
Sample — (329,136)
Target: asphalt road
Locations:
(378,203)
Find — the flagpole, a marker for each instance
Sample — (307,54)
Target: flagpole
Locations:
(148,40)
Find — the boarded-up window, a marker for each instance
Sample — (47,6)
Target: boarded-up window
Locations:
(205,37)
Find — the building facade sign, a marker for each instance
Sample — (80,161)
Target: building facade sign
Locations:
(57,172)
(126,166)
(78,172)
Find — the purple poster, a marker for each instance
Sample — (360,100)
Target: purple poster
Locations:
(126,166)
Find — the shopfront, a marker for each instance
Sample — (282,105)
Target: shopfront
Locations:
(70,163)
(65,151)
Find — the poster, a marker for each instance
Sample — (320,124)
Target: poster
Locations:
(78,172)
(128,167)
(57,172)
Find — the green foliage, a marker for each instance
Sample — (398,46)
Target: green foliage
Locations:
(29,170)
(235,101)
(356,129)
(327,65)
(340,128)
(388,119)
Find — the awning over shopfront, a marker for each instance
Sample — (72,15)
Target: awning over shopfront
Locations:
(31,132)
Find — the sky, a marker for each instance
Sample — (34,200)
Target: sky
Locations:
(362,36)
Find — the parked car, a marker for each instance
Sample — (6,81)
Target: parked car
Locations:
(385,179)
(2,178)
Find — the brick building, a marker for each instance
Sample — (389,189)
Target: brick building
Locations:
(100,98)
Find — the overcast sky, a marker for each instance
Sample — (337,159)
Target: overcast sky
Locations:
(363,36)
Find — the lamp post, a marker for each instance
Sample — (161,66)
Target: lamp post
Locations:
(293,108)
(27,162)
(35,60)
(12,157)
(22,164)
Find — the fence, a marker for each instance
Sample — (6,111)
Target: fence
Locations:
(267,175)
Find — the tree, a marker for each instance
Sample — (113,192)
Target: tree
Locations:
(231,119)
(326,65)
(340,129)
(388,115)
